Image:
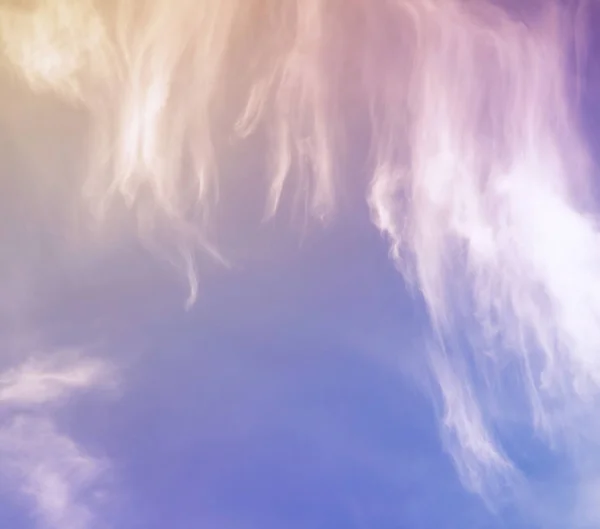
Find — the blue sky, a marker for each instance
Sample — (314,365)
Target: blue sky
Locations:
(287,397)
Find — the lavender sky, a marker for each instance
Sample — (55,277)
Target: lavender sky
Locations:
(296,392)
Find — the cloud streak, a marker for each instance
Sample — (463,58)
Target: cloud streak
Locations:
(40,382)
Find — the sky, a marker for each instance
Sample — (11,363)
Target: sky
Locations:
(378,340)
(282,398)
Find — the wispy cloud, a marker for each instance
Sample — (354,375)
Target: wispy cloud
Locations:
(50,469)
(477,173)
(39,461)
(44,381)
(479,458)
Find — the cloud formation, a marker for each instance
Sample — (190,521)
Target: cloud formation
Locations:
(43,381)
(477,174)
(39,462)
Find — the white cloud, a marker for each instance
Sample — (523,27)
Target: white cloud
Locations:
(39,461)
(51,469)
(478,457)
(38,382)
